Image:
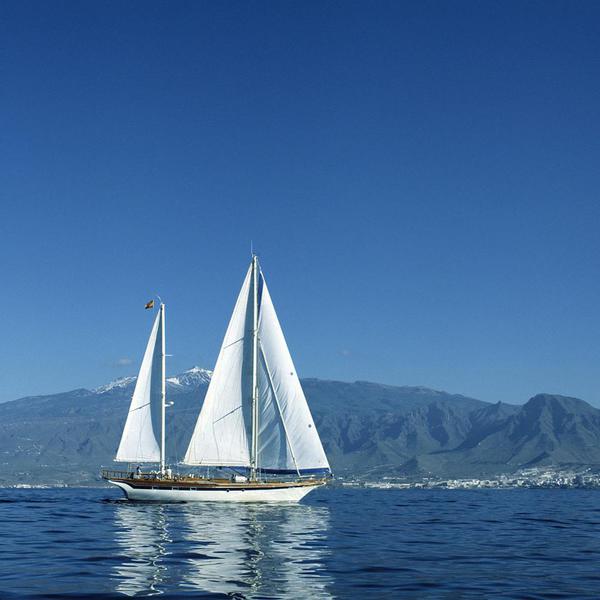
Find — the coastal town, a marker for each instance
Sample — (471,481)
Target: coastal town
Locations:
(536,477)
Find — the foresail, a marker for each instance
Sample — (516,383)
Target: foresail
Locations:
(138,442)
(220,437)
(288,438)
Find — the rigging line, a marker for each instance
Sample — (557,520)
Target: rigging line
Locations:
(233,343)
(138,407)
(226,415)
(289,441)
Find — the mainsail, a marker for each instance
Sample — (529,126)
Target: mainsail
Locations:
(220,436)
(138,442)
(285,433)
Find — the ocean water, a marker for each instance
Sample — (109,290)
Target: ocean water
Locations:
(339,543)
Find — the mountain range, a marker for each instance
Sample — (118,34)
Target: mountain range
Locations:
(368,430)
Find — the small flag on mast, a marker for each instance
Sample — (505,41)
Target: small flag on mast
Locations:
(149,304)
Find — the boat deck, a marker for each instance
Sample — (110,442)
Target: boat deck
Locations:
(186,482)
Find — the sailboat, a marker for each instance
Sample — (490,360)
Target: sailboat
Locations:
(254,425)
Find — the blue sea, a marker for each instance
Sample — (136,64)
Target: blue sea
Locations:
(339,543)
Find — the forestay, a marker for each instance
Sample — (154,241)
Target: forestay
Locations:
(138,442)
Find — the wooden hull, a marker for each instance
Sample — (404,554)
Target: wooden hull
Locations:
(217,491)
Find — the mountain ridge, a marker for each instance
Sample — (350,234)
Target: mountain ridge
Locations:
(368,430)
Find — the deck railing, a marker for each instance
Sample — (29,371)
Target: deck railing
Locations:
(153,475)
(114,474)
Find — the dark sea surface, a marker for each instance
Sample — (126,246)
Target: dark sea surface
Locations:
(339,543)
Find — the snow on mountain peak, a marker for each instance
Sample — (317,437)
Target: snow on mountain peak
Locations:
(191,378)
(121,382)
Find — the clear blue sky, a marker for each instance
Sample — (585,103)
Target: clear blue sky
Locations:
(421,181)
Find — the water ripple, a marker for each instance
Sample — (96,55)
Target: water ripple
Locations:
(341,543)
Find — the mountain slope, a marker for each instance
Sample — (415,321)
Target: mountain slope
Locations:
(367,430)
(546,430)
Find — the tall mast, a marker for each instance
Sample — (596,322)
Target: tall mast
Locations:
(162,391)
(254,453)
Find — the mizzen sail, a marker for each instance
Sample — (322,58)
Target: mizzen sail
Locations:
(138,442)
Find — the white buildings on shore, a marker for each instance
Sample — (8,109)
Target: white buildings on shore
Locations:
(525,478)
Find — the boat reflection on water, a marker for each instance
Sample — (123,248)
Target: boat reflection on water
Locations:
(141,532)
(244,550)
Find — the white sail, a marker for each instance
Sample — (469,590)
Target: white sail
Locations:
(288,438)
(138,442)
(220,437)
